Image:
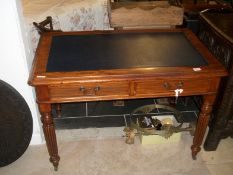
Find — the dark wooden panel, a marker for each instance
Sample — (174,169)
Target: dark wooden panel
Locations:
(216,33)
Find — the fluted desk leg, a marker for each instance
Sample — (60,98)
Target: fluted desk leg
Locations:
(202,123)
(49,133)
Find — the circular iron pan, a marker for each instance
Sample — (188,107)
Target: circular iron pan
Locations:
(15,124)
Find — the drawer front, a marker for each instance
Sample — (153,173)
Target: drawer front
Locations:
(89,89)
(168,87)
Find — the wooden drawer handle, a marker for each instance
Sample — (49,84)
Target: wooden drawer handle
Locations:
(82,89)
(166,85)
(89,91)
(97,88)
(180,84)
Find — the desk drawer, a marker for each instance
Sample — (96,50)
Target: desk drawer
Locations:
(89,89)
(163,86)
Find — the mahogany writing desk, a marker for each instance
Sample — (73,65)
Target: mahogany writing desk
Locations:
(111,65)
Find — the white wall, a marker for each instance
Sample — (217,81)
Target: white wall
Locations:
(15,58)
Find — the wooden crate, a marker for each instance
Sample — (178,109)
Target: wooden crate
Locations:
(144,14)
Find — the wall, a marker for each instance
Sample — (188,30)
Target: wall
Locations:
(15,58)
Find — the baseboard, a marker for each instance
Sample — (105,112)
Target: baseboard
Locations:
(37,139)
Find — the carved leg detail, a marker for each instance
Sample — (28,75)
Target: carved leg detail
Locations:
(58,109)
(202,124)
(49,133)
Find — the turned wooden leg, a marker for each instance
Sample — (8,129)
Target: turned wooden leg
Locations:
(202,123)
(49,133)
(58,109)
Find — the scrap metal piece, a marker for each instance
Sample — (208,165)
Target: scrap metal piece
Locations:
(149,108)
(145,125)
(130,135)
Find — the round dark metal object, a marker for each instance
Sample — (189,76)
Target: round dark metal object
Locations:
(15,124)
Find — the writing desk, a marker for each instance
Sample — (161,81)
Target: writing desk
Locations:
(111,65)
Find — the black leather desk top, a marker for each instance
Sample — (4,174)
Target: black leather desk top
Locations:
(121,51)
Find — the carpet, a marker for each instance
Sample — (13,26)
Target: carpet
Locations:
(112,156)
